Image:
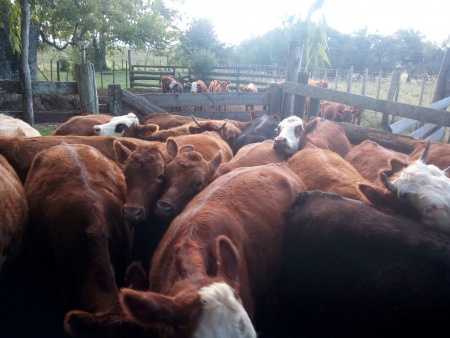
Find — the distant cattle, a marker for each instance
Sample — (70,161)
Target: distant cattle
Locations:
(10,126)
(126,126)
(427,188)
(249,88)
(198,87)
(293,135)
(77,240)
(216,256)
(13,212)
(251,155)
(260,129)
(219,86)
(314,83)
(358,272)
(338,112)
(170,85)
(371,160)
(82,125)
(20,151)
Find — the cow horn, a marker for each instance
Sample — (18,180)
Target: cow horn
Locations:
(424,155)
(447,171)
(195,120)
(388,184)
(223,126)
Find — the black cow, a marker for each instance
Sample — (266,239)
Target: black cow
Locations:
(260,129)
(350,270)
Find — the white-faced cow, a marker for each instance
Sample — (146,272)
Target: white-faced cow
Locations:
(126,126)
(249,88)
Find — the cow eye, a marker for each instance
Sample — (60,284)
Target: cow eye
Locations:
(198,185)
(160,178)
(121,127)
(429,210)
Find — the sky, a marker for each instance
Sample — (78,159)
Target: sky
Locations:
(238,20)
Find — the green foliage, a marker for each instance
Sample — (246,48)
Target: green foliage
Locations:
(201,63)
(316,45)
(12,20)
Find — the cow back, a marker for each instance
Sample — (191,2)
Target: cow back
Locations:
(81,125)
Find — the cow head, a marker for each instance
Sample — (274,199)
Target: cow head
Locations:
(223,85)
(211,309)
(185,176)
(144,175)
(194,88)
(117,126)
(292,134)
(426,188)
(348,115)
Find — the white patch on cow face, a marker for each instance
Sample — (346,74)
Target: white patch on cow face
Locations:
(427,188)
(223,315)
(117,126)
(290,130)
(172,84)
(194,87)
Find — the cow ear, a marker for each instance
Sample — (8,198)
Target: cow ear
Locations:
(340,112)
(147,130)
(186,148)
(122,153)
(172,147)
(397,165)
(147,308)
(215,162)
(194,129)
(253,116)
(227,259)
(379,197)
(355,112)
(310,126)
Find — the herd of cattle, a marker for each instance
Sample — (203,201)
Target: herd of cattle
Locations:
(182,227)
(332,111)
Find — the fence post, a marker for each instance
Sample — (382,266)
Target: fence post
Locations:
(115,99)
(87,88)
(393,88)
(101,73)
(380,76)
(51,70)
(336,80)
(300,101)
(114,71)
(130,66)
(126,74)
(422,90)
(294,64)
(349,80)
(58,75)
(364,84)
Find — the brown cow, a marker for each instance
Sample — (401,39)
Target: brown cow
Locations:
(81,125)
(170,85)
(338,112)
(20,151)
(77,237)
(371,160)
(249,88)
(13,212)
(293,134)
(350,270)
(168,120)
(325,170)
(314,83)
(10,126)
(439,154)
(251,155)
(219,86)
(216,256)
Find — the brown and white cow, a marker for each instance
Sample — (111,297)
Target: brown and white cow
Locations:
(13,212)
(77,237)
(126,126)
(358,272)
(427,188)
(170,85)
(338,112)
(198,87)
(371,160)
(217,255)
(82,125)
(249,88)
(20,151)
(219,86)
(10,126)
(293,134)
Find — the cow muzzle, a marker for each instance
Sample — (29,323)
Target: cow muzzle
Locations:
(281,144)
(133,214)
(165,210)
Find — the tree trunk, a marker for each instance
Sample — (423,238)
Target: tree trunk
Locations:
(24,69)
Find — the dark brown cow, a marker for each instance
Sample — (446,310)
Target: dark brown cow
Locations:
(224,249)
(338,112)
(251,155)
(293,134)
(350,270)
(13,212)
(81,125)
(219,86)
(249,88)
(20,151)
(371,160)
(325,170)
(170,85)
(77,237)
